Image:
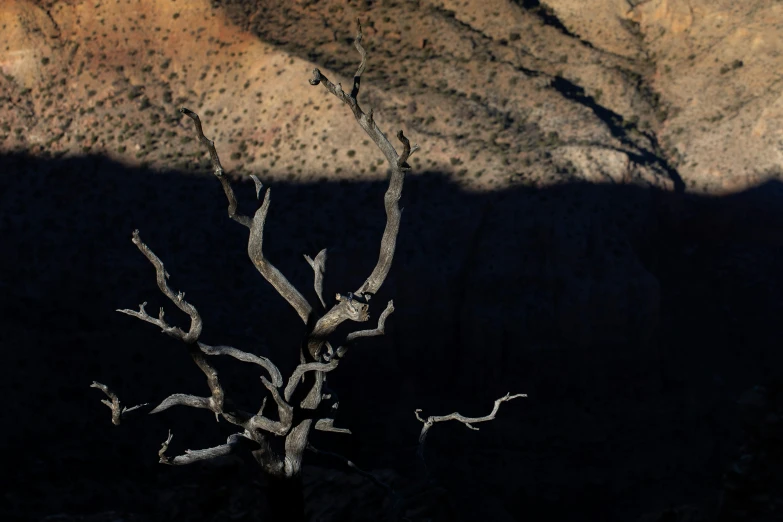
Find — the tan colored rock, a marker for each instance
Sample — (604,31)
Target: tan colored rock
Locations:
(27,35)
(603,24)
(717,66)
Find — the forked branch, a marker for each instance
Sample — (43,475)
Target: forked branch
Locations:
(178,299)
(256,226)
(117,411)
(397,163)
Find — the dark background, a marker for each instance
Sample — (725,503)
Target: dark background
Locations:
(641,423)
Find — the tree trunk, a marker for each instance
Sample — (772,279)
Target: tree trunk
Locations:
(286,499)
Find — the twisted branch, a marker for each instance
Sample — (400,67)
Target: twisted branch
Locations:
(467,421)
(218,169)
(255,249)
(239,355)
(193,333)
(233,445)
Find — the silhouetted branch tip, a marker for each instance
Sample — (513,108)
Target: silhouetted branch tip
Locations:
(258,184)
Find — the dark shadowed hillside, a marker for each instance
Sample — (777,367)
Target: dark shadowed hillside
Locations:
(633,375)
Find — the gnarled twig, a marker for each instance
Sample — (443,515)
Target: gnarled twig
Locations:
(117,412)
(467,421)
(234,444)
(218,170)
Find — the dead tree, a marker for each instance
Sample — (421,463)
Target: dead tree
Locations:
(297,411)
(302,403)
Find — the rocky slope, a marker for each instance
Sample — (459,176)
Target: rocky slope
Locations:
(490,107)
(497,93)
(715,67)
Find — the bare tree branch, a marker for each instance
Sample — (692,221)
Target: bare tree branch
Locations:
(258,184)
(234,444)
(347,308)
(357,77)
(354,307)
(467,421)
(353,336)
(182,399)
(179,299)
(375,331)
(255,249)
(265,363)
(407,150)
(117,412)
(319,268)
(215,402)
(296,376)
(218,170)
(398,168)
(218,395)
(197,350)
(256,226)
(284,411)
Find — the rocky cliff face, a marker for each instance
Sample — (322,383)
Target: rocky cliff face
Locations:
(714,67)
(500,93)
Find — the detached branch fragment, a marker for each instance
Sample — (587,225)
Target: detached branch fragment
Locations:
(467,421)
